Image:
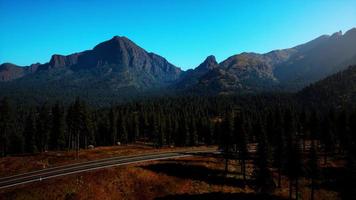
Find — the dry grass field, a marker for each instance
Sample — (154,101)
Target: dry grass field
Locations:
(12,165)
(198,177)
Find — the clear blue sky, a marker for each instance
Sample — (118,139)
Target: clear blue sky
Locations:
(183,31)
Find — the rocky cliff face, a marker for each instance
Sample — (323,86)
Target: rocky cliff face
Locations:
(113,70)
(10,72)
(116,57)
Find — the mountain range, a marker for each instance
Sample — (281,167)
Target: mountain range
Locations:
(118,69)
(280,70)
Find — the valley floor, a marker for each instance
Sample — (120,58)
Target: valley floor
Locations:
(13,165)
(198,177)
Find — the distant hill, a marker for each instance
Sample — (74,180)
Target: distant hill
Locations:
(337,89)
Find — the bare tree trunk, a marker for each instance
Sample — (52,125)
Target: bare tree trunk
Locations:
(279,177)
(226,166)
(312,189)
(290,189)
(77,149)
(296,189)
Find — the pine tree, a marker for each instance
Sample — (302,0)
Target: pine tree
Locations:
(302,127)
(241,141)
(6,125)
(29,134)
(112,127)
(161,130)
(193,133)
(77,121)
(350,172)
(294,167)
(70,127)
(350,167)
(342,128)
(123,130)
(209,139)
(136,126)
(263,177)
(43,127)
(313,170)
(327,137)
(57,135)
(87,126)
(314,126)
(227,128)
(279,146)
(80,126)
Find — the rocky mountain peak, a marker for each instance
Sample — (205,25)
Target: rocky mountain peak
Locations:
(337,34)
(63,61)
(208,64)
(116,43)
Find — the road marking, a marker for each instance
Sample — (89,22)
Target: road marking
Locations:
(99,161)
(90,169)
(87,162)
(66,168)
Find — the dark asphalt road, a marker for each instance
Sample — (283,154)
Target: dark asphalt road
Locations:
(49,173)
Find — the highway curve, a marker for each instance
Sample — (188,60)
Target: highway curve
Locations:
(49,173)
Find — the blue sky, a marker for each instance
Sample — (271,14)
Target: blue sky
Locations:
(182,31)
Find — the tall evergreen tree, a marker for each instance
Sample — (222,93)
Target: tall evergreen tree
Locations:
(313,170)
(241,141)
(122,129)
(193,133)
(327,137)
(29,134)
(302,127)
(112,127)
(314,126)
(57,135)
(263,177)
(6,125)
(279,146)
(43,126)
(294,167)
(226,141)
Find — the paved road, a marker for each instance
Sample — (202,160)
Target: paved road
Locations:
(49,173)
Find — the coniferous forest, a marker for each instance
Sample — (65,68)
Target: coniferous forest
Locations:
(157,100)
(292,137)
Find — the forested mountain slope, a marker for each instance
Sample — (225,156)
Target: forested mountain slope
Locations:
(338,89)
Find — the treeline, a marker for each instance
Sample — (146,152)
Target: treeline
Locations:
(287,135)
(183,121)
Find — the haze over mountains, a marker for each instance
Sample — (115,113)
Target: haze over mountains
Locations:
(118,68)
(287,69)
